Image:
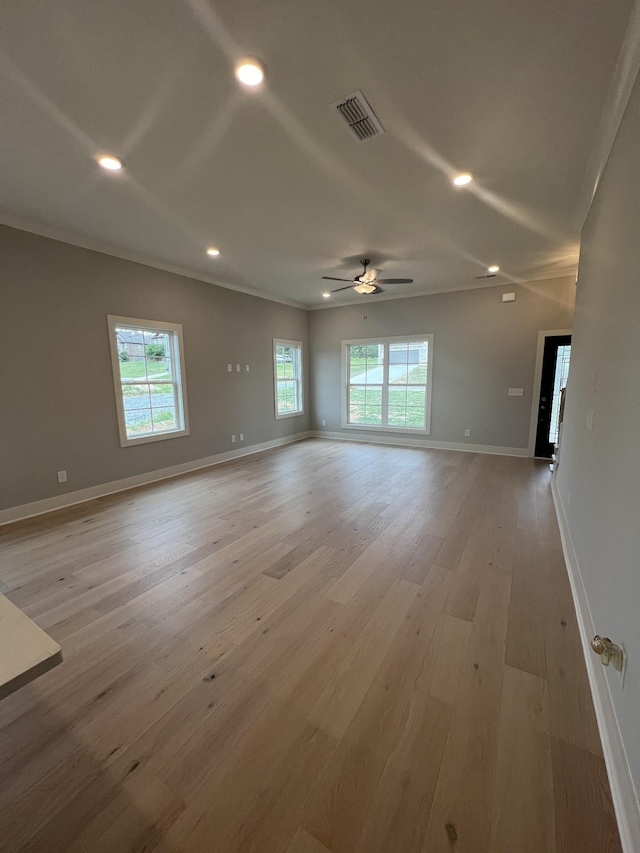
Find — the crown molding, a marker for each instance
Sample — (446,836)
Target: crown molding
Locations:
(83,242)
(624,78)
(506,281)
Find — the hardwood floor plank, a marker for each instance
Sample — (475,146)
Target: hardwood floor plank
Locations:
(324,648)
(137,818)
(465,589)
(446,657)
(584,814)
(524,781)
(399,811)
(305,843)
(336,814)
(464,796)
(372,559)
(343,694)
(571,713)
(525,636)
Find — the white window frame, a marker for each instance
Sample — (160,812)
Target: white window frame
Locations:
(300,379)
(179,382)
(396,339)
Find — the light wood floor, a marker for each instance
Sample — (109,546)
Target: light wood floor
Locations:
(329,648)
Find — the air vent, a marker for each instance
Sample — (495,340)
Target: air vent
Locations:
(478,277)
(358,114)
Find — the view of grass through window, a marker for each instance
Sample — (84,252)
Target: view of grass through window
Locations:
(388,384)
(288,368)
(147,375)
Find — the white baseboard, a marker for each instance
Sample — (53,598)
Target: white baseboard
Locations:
(427,443)
(623,794)
(18,513)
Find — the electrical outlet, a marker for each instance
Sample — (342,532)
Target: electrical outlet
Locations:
(246,367)
(238,368)
(324,423)
(590,419)
(230,368)
(62,476)
(467,432)
(241,436)
(233,439)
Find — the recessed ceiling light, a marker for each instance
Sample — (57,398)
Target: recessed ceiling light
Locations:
(326,295)
(110,162)
(250,71)
(494,268)
(463,179)
(213,252)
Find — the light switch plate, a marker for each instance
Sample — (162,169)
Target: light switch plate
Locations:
(516,392)
(590,419)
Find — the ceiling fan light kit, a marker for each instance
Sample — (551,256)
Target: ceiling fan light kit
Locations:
(365,287)
(367,283)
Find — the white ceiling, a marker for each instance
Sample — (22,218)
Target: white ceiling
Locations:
(511,90)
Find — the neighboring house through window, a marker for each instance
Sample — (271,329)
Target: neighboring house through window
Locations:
(388,384)
(148,366)
(287,378)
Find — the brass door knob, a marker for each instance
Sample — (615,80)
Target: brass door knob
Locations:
(609,652)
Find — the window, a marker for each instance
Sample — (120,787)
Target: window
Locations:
(388,384)
(148,366)
(287,373)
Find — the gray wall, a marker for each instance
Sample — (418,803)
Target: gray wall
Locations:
(599,471)
(481,348)
(56,384)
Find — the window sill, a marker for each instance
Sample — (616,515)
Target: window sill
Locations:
(373,428)
(290,415)
(146,439)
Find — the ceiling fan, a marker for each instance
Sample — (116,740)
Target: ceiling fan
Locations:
(367,282)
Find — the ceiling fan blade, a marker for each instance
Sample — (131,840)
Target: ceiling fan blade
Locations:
(394,281)
(331,278)
(341,288)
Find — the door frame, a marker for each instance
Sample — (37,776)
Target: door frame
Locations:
(537,381)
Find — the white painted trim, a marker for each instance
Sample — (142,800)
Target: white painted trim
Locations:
(300,378)
(506,281)
(623,794)
(624,78)
(18,513)
(385,341)
(179,382)
(426,443)
(537,380)
(43,229)
(52,232)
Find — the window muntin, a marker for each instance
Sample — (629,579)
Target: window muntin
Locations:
(147,366)
(287,377)
(388,384)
